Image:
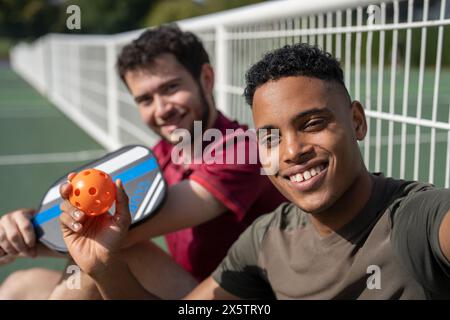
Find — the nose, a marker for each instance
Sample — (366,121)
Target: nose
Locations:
(163,109)
(294,148)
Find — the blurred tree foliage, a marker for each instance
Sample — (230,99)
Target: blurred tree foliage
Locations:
(171,10)
(27,18)
(108,16)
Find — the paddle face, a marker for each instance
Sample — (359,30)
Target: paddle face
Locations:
(142,179)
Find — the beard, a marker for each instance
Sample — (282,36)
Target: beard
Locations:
(181,138)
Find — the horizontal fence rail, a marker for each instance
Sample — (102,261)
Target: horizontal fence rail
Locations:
(395,57)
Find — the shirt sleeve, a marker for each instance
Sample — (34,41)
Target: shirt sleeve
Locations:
(415,236)
(239,273)
(237,183)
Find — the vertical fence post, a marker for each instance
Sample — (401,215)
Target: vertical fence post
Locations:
(53,68)
(221,67)
(112,94)
(47,65)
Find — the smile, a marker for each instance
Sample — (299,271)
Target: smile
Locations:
(308,179)
(174,122)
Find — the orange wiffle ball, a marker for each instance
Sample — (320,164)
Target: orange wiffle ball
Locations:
(93,192)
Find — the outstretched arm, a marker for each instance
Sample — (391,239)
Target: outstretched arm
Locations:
(187,204)
(444,236)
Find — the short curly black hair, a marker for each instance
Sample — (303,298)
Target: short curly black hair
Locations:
(141,52)
(299,59)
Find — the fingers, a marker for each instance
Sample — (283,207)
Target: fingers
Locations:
(25,228)
(17,235)
(65,189)
(73,212)
(71,175)
(69,224)
(12,241)
(122,216)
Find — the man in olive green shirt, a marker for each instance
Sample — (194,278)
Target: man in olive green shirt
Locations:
(347,233)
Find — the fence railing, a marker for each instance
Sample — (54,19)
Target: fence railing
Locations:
(394,54)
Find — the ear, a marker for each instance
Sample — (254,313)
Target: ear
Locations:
(207,79)
(359,120)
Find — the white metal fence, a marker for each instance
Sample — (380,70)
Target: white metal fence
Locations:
(407,101)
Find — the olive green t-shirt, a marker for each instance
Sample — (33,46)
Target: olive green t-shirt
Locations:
(389,251)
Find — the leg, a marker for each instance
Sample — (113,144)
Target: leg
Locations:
(36,283)
(82,288)
(152,267)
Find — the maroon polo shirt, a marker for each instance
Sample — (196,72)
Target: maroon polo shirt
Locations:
(240,187)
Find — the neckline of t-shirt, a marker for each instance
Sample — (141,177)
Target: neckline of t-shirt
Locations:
(366,216)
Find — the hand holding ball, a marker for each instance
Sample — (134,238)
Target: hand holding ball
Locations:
(93,192)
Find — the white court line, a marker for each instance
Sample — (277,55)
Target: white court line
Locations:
(8,160)
(29,115)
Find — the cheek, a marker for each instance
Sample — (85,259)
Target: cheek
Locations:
(147,116)
(184,99)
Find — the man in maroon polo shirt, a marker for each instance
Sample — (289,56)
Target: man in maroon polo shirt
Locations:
(208,204)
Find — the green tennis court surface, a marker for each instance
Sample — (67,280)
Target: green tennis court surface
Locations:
(38,145)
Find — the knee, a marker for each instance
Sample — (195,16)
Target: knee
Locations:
(13,286)
(32,283)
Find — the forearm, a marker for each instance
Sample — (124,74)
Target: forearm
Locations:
(197,207)
(118,282)
(444,236)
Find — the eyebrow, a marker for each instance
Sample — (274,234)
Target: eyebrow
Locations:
(311,112)
(300,115)
(147,95)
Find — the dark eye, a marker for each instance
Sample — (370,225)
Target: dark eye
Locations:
(146,102)
(315,124)
(171,88)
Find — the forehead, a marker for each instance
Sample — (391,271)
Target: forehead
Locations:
(292,95)
(164,67)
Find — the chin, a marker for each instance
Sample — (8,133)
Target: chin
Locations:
(312,204)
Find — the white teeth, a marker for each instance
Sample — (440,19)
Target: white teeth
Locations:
(307,175)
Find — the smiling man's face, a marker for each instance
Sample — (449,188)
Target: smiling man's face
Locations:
(167,95)
(318,127)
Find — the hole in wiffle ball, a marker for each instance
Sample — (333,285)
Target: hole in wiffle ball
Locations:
(78,205)
(77,192)
(97,203)
(92,191)
(87,173)
(102,174)
(107,195)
